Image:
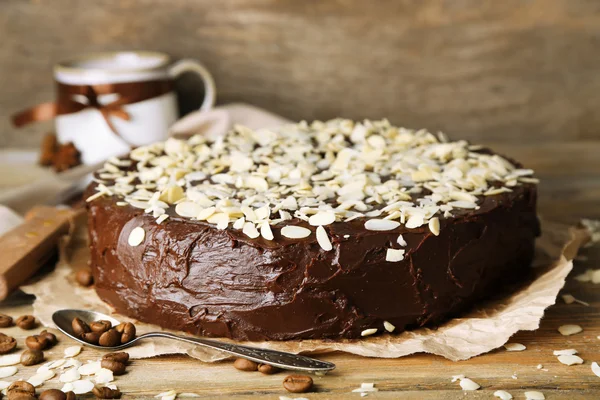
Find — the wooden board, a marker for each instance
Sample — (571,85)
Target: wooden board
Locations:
(524,71)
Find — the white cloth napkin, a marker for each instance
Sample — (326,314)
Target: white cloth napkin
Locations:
(210,123)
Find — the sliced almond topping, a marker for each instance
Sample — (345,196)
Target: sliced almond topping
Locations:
(401,241)
(596,369)
(566,352)
(265,231)
(415,221)
(5,372)
(323,239)
(206,213)
(394,255)
(503,395)
(322,218)
(567,330)
(388,326)
(239,223)
(188,209)
(136,236)
(250,230)
(468,384)
(295,232)
(434,226)
(368,332)
(39,378)
(90,368)
(70,375)
(381,225)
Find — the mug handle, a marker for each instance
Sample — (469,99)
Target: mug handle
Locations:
(210,90)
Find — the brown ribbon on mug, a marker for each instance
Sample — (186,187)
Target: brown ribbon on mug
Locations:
(67,101)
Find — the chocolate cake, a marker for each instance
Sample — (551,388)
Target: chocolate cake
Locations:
(325,230)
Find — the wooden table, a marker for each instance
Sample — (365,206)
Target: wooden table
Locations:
(570,190)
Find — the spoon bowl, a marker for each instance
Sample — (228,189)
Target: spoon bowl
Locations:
(63,319)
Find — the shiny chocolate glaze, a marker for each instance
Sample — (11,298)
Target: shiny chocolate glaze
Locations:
(189,276)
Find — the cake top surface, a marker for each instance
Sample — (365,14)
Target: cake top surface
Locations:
(320,173)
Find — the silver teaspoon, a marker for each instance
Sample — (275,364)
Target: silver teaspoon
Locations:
(279,359)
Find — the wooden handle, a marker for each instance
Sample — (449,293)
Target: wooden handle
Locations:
(24,249)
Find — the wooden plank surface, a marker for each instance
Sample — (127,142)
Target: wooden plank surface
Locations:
(520,71)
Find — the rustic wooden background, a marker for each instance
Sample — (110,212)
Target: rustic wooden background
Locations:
(506,73)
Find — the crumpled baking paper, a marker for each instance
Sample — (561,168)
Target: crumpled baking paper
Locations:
(477,332)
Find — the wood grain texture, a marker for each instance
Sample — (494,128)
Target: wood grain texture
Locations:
(519,71)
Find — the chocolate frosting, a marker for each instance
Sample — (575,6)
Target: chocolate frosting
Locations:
(187,275)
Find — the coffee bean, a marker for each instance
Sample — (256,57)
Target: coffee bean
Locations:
(297,383)
(245,365)
(79,327)
(84,277)
(106,393)
(50,337)
(53,394)
(5,321)
(118,368)
(36,342)
(70,396)
(110,338)
(127,331)
(20,390)
(26,322)
(91,337)
(267,369)
(100,326)
(119,356)
(32,357)
(7,344)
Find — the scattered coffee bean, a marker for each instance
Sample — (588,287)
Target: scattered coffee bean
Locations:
(20,390)
(297,383)
(79,327)
(32,357)
(117,367)
(245,365)
(110,338)
(7,344)
(106,393)
(267,369)
(50,337)
(119,356)
(26,322)
(127,331)
(84,277)
(36,342)
(55,394)
(5,321)
(91,337)
(100,326)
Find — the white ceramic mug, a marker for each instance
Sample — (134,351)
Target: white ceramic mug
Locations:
(99,134)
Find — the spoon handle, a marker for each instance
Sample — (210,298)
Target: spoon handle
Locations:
(275,358)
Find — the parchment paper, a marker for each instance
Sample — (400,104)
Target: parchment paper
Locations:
(480,331)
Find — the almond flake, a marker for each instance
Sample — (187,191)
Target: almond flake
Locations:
(262,212)
(10,359)
(323,239)
(188,209)
(103,376)
(72,351)
(570,359)
(503,395)
(70,375)
(39,378)
(434,226)
(136,236)
(596,369)
(295,232)
(167,393)
(468,384)
(5,372)
(322,218)
(162,218)
(401,241)
(566,352)
(457,378)
(568,330)
(250,230)
(381,225)
(534,396)
(394,255)
(388,326)
(90,368)
(368,332)
(415,221)
(265,231)
(206,213)
(514,347)
(81,386)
